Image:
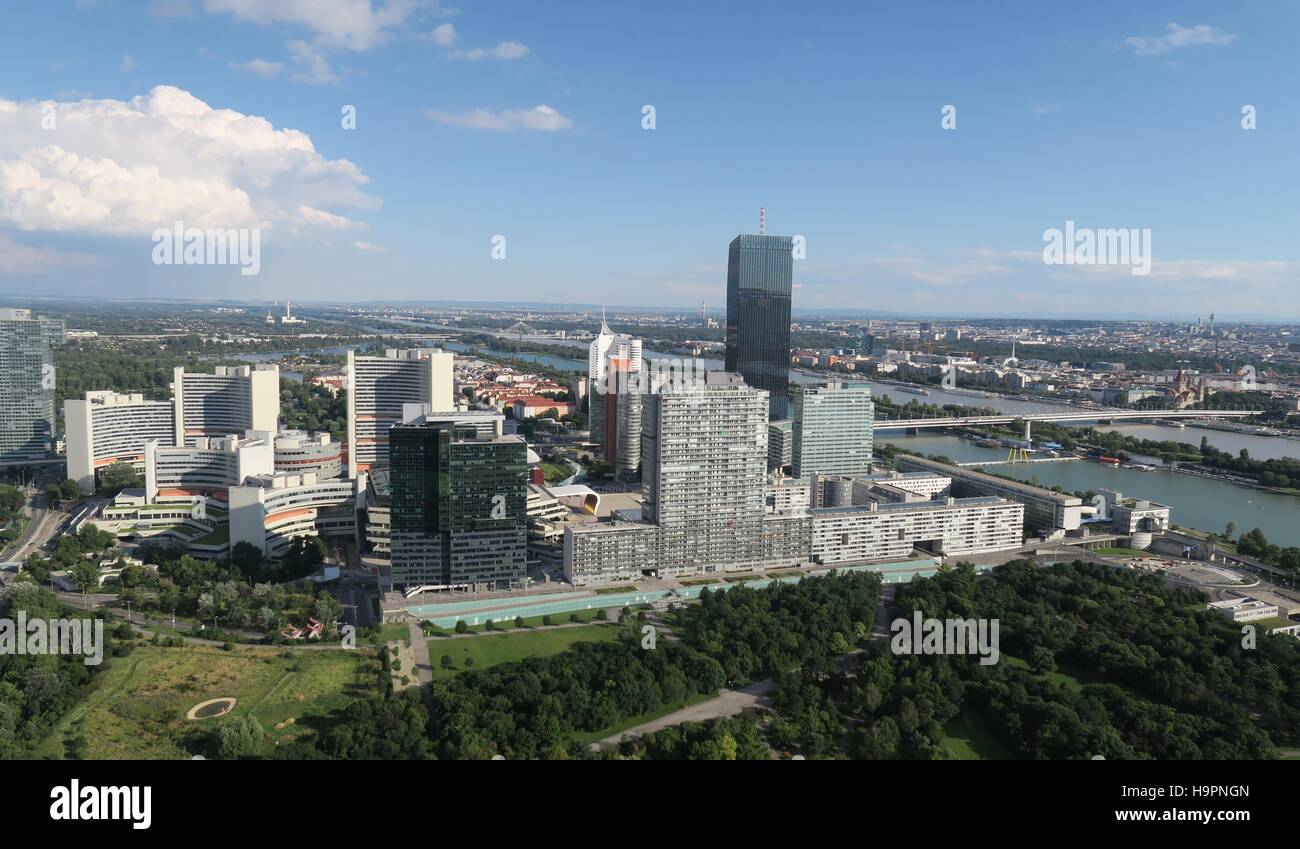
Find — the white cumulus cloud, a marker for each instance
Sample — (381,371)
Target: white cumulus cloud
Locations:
(112,167)
(444,35)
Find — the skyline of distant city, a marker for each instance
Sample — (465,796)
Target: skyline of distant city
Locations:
(414,150)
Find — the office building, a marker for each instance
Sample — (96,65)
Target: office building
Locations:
(831,432)
(300,452)
(780,448)
(27,384)
(205,469)
(760,273)
(457,507)
(378,387)
(106,428)
(268,511)
(231,400)
(1047,512)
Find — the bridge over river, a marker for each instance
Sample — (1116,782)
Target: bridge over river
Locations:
(1101,416)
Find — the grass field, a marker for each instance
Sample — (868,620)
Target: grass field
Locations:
(969,739)
(1073,679)
(137,710)
(490,649)
(1122,552)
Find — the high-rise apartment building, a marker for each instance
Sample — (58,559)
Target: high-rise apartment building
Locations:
(704,463)
(457,506)
(614,366)
(832,429)
(377,389)
(27,384)
(760,278)
(231,400)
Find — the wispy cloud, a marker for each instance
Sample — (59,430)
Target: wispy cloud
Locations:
(444,35)
(505,51)
(127,64)
(313,67)
(369,247)
(542,118)
(261,67)
(1176,37)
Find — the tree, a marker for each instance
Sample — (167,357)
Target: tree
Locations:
(247,558)
(328,611)
(447,662)
(461,627)
(70,490)
(519,621)
(240,737)
(85,575)
(117,477)
(601,615)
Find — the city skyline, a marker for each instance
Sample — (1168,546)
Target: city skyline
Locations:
(514,107)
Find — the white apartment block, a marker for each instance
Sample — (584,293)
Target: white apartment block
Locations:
(106,428)
(951,526)
(704,465)
(378,387)
(231,400)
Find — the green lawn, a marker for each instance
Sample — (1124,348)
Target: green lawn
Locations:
(488,650)
(137,708)
(555,472)
(969,739)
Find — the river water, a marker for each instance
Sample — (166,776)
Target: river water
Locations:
(1200,503)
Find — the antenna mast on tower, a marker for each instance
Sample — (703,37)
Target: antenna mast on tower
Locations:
(762,221)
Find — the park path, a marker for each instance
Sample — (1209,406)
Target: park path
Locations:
(727,703)
(423,668)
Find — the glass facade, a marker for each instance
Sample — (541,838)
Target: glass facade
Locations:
(27,384)
(458,506)
(760,272)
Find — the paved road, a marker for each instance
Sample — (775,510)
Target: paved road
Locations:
(727,703)
(40,528)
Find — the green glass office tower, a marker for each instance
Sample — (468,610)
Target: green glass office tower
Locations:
(458,503)
(27,384)
(832,429)
(760,273)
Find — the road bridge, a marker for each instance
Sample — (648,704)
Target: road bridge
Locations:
(1101,416)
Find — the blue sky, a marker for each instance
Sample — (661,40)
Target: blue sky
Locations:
(524,119)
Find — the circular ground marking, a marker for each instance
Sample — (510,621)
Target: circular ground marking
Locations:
(211,708)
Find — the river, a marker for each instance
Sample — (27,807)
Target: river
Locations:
(1201,503)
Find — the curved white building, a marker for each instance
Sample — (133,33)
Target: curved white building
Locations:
(268,511)
(378,387)
(107,427)
(231,400)
(300,452)
(207,468)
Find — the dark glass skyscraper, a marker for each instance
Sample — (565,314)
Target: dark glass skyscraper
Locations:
(760,271)
(458,501)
